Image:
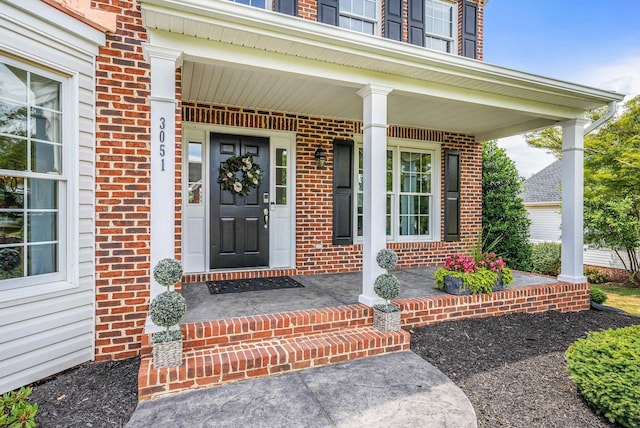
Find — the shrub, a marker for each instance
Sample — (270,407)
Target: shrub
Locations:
(595,276)
(476,282)
(598,296)
(606,369)
(167,272)
(167,309)
(16,411)
(545,258)
(386,286)
(387,259)
(166,336)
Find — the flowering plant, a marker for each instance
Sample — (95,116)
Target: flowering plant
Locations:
(251,175)
(479,274)
(492,262)
(461,263)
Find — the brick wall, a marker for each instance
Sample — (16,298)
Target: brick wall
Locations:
(314,203)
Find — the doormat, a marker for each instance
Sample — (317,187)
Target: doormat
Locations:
(252,284)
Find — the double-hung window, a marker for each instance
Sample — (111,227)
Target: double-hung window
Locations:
(262,4)
(412,171)
(359,15)
(33,186)
(440,25)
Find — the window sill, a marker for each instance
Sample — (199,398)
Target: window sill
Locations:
(26,292)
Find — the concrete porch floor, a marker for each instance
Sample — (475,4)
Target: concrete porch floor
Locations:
(320,291)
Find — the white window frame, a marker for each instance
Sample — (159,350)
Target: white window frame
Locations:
(454,24)
(397,145)
(67,218)
(375,22)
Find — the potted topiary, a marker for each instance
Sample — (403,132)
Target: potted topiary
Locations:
(167,310)
(386,317)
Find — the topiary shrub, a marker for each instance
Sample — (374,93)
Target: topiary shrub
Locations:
(386,285)
(545,258)
(167,272)
(167,309)
(598,296)
(606,368)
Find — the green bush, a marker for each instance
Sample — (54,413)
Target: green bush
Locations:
(167,272)
(598,296)
(16,411)
(545,258)
(167,309)
(476,282)
(606,368)
(594,276)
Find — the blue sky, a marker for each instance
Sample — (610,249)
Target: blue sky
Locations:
(596,43)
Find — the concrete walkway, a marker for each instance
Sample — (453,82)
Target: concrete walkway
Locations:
(393,390)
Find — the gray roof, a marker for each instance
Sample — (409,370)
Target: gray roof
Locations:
(544,186)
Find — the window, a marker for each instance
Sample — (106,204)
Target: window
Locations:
(412,195)
(440,25)
(262,4)
(281,177)
(195,173)
(32,184)
(359,15)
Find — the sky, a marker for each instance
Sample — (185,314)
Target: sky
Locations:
(592,42)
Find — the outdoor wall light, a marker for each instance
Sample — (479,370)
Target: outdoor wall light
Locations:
(320,156)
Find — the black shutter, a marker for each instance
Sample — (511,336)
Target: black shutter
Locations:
(469,29)
(416,22)
(290,7)
(393,19)
(328,12)
(451,195)
(342,192)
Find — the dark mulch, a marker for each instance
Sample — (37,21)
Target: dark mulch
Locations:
(252,284)
(512,368)
(89,395)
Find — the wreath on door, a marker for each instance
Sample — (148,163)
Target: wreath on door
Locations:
(240,184)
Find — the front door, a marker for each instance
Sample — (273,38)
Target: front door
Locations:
(239,234)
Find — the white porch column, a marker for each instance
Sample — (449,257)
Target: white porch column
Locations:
(163,142)
(374,236)
(572,201)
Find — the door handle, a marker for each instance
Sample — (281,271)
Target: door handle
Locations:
(266,218)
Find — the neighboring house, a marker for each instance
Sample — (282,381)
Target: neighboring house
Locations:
(116,118)
(542,198)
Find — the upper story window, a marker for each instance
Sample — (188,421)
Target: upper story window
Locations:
(33,185)
(440,25)
(359,15)
(262,4)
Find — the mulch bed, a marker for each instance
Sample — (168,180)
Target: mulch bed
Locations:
(511,368)
(252,284)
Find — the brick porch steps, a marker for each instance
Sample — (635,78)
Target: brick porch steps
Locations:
(211,366)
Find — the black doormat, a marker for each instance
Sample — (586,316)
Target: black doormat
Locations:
(252,284)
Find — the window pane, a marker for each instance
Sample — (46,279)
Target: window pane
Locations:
(281,157)
(13,83)
(46,92)
(11,192)
(424,225)
(13,153)
(46,158)
(42,227)
(281,196)
(42,259)
(11,262)
(42,194)
(13,118)
(11,228)
(424,205)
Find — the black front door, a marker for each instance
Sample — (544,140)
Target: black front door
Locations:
(239,224)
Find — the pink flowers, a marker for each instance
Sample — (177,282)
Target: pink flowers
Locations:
(467,264)
(461,263)
(492,262)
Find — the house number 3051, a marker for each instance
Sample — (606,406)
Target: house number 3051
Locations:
(161,138)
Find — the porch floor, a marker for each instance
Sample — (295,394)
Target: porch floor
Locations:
(320,291)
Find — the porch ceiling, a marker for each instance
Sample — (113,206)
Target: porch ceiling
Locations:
(244,56)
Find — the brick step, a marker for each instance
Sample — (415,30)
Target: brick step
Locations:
(256,328)
(233,362)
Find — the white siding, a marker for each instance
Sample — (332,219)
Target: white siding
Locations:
(604,257)
(46,330)
(545,223)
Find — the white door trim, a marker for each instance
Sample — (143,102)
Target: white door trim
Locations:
(277,139)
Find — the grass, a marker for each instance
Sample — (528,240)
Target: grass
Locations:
(625,298)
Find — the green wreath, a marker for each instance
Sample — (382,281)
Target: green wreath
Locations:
(251,175)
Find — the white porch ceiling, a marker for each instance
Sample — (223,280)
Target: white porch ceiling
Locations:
(243,56)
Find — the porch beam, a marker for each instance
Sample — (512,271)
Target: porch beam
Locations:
(572,201)
(163,102)
(374,236)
